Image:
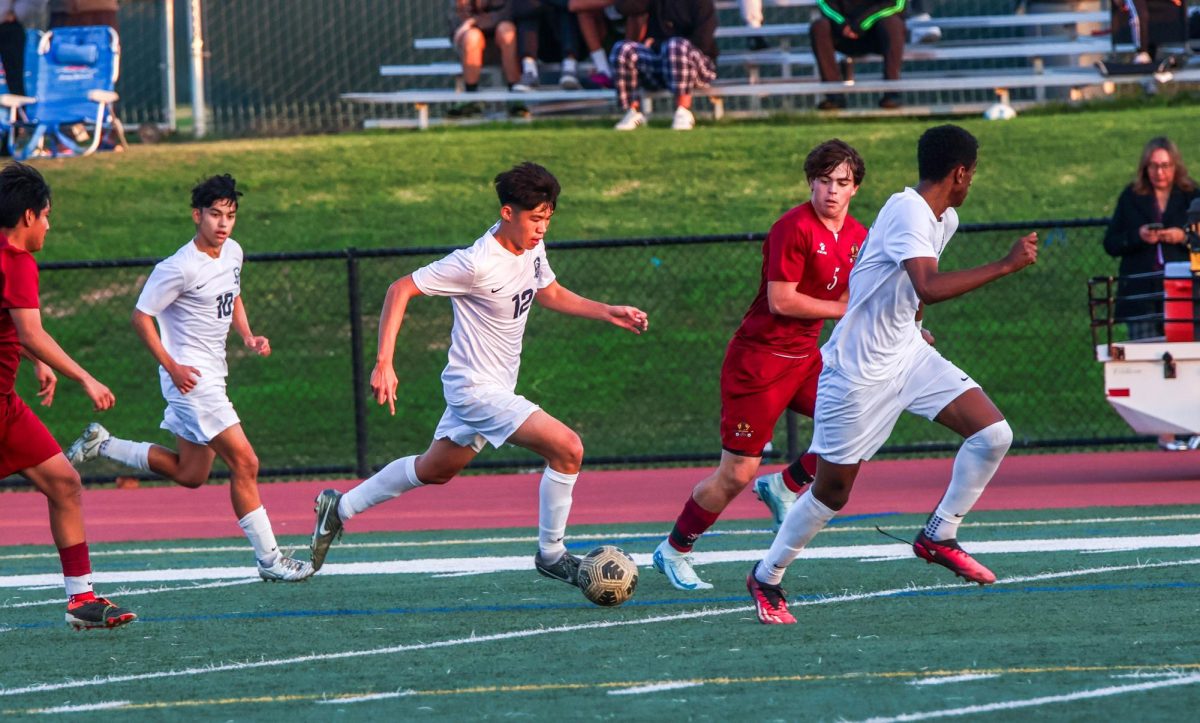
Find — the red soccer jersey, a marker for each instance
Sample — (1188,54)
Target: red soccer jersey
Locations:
(800,249)
(18,290)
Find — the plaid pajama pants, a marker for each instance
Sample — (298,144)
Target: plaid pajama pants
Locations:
(677,66)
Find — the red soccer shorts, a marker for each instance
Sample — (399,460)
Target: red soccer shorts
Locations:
(756,387)
(24,440)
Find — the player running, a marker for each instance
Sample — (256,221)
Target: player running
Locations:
(492,284)
(772,362)
(879,362)
(195,295)
(26,446)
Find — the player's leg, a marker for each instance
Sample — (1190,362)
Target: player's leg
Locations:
(189,467)
(779,490)
(562,449)
(232,446)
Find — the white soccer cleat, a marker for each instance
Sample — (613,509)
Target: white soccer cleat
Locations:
(88,445)
(678,568)
(683,120)
(286,569)
(775,495)
(633,120)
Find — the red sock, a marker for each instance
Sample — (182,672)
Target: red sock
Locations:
(693,521)
(75,560)
(800,472)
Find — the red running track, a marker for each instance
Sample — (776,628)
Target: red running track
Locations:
(620,496)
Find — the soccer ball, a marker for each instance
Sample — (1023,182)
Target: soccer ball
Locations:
(607,576)
(1000,111)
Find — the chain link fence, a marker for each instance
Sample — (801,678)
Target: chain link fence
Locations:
(634,399)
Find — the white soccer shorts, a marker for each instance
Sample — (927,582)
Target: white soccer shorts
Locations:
(199,415)
(852,420)
(476,416)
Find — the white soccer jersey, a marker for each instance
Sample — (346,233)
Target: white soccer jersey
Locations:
(192,296)
(491,289)
(879,330)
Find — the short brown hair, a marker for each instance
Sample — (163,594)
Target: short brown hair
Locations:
(527,185)
(1141,182)
(829,155)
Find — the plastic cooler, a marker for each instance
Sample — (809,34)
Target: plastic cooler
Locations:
(1181,294)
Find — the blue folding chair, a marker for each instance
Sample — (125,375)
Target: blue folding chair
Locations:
(33,37)
(71,111)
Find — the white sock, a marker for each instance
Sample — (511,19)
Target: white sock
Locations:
(804,520)
(554,505)
(398,477)
(570,67)
(600,60)
(77,585)
(529,65)
(974,465)
(258,530)
(130,454)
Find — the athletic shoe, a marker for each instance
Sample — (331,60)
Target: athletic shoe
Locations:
(1173,445)
(328,527)
(949,555)
(924,32)
(1194,442)
(97,613)
(286,569)
(529,79)
(632,121)
(770,602)
(683,120)
(775,495)
(569,81)
(1142,58)
(520,88)
(890,101)
(88,445)
(678,568)
(566,569)
(599,81)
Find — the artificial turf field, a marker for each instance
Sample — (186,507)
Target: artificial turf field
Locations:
(1093,617)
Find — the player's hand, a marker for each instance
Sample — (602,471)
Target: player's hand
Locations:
(184,377)
(1172,236)
(927,336)
(260,344)
(383,384)
(1147,234)
(100,395)
(1023,252)
(47,382)
(628,317)
(846,31)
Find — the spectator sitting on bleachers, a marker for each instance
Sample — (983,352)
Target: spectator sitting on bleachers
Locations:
(535,17)
(1138,12)
(482,30)
(679,53)
(919,10)
(752,13)
(858,27)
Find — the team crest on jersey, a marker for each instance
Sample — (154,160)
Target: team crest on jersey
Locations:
(537,268)
(237,277)
(821,249)
(854,253)
(743,430)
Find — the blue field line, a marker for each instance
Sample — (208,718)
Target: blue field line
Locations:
(658,537)
(534,607)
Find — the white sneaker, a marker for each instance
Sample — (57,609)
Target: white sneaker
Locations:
(1143,58)
(678,568)
(88,445)
(684,120)
(924,33)
(775,495)
(286,569)
(633,120)
(569,82)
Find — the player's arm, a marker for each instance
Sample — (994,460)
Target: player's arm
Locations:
(39,345)
(383,376)
(184,377)
(46,378)
(241,324)
(558,298)
(784,299)
(933,286)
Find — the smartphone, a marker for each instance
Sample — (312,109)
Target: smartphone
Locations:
(1154,227)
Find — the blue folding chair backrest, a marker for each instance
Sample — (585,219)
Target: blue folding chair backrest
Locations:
(72,62)
(33,37)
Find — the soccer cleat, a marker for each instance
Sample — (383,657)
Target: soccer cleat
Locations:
(88,445)
(775,495)
(97,613)
(683,120)
(770,601)
(566,569)
(286,569)
(569,81)
(678,568)
(633,120)
(949,555)
(328,527)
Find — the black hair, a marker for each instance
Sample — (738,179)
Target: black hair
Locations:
(527,186)
(215,188)
(829,155)
(22,189)
(944,148)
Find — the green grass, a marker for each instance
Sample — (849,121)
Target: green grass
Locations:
(1056,623)
(1024,338)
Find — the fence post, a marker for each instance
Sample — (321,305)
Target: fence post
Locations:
(362,467)
(793,430)
(196,39)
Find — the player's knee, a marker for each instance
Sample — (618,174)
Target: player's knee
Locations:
(995,438)
(66,489)
(833,495)
(246,465)
(571,454)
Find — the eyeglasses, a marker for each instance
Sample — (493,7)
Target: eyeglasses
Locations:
(1160,166)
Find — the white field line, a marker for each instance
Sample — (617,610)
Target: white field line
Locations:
(942,680)
(514,563)
(536,632)
(656,687)
(366,698)
(83,708)
(1036,702)
(124,592)
(158,551)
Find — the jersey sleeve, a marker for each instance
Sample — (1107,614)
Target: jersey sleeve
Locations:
(788,245)
(543,274)
(911,237)
(20,283)
(453,275)
(165,284)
